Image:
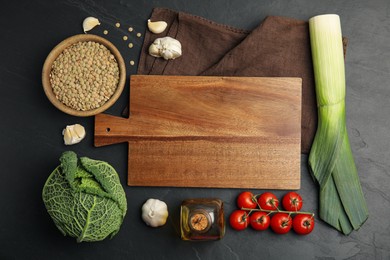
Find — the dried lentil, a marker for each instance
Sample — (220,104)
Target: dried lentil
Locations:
(105,32)
(78,74)
(131,45)
(125,38)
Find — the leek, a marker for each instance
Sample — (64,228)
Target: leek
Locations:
(331,163)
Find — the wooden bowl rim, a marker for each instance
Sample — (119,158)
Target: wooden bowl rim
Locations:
(57,50)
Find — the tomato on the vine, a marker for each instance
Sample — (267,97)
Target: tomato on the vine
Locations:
(268,201)
(239,219)
(281,223)
(292,201)
(259,220)
(303,224)
(246,199)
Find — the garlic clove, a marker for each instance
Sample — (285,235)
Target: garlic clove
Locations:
(157,27)
(79,130)
(73,134)
(67,136)
(171,50)
(154,50)
(89,23)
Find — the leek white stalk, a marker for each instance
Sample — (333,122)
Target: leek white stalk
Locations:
(331,162)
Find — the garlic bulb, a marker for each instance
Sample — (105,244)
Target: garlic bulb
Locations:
(89,23)
(73,134)
(155,212)
(157,27)
(166,47)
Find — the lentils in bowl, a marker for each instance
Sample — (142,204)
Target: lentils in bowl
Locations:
(84,75)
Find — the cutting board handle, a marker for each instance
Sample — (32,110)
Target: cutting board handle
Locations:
(109,130)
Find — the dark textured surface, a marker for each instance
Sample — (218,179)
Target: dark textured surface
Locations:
(31,141)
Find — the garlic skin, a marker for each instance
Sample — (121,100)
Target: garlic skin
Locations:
(154,212)
(157,27)
(167,48)
(73,134)
(89,23)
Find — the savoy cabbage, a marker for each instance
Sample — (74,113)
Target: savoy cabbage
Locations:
(85,198)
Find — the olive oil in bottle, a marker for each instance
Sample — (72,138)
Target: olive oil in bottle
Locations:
(202,219)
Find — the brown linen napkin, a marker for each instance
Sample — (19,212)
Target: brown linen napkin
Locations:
(278,47)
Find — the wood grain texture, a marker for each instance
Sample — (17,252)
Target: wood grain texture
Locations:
(224,132)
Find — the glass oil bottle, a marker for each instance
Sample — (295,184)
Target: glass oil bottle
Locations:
(202,219)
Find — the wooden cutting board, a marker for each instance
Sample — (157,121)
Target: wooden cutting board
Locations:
(222,132)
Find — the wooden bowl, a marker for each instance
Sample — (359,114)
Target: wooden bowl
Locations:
(47,67)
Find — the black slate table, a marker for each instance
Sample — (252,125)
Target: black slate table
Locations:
(31,140)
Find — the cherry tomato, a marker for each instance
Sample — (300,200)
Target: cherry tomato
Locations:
(239,219)
(303,224)
(268,201)
(281,223)
(259,220)
(246,199)
(292,201)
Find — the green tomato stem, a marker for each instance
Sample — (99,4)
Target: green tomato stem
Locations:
(277,211)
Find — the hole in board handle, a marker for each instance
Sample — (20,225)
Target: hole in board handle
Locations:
(108,129)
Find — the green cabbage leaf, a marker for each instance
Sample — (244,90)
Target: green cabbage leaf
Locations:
(85,198)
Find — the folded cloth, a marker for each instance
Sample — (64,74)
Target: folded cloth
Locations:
(278,47)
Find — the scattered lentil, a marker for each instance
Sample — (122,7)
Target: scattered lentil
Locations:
(131,29)
(125,38)
(139,34)
(132,63)
(105,32)
(118,25)
(131,45)
(84,76)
